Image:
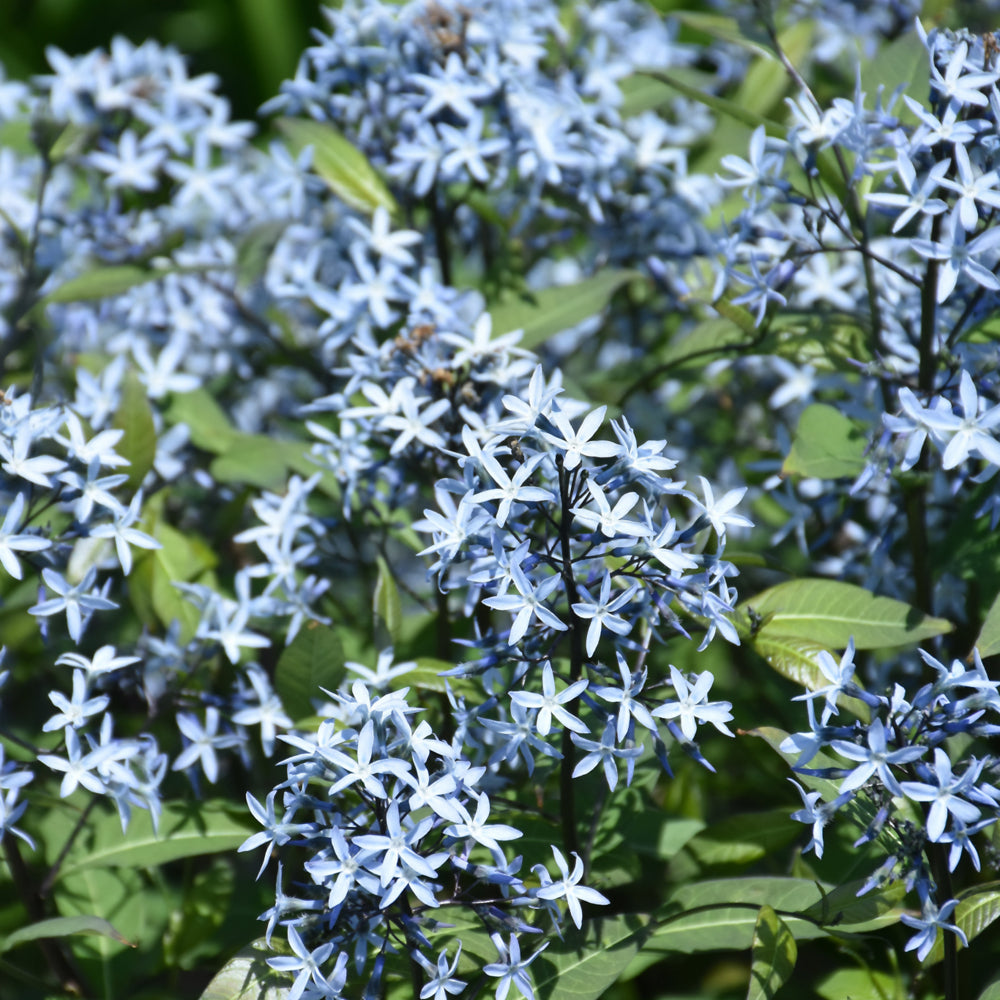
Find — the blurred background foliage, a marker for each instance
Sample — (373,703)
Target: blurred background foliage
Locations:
(251,44)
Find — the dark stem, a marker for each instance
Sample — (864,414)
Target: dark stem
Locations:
(60,964)
(46,887)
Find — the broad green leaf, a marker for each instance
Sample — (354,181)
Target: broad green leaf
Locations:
(552,310)
(742,839)
(102,283)
(827,445)
(386,605)
(720,105)
(314,659)
(791,656)
(124,898)
(711,928)
(345,168)
(988,642)
(256,460)
(829,613)
(977,908)
(785,895)
(210,428)
(180,559)
(708,339)
(247,976)
(185,830)
(193,932)
(992,992)
(860,984)
(56,927)
(772,955)
(841,908)
(828,339)
(739,315)
(587,961)
(901,65)
(135,418)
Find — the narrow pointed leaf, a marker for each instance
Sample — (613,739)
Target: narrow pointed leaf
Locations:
(57,927)
(345,168)
(772,955)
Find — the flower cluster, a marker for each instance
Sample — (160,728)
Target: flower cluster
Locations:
(919,797)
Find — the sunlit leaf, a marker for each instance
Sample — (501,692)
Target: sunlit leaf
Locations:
(343,166)
(772,955)
(827,445)
(830,613)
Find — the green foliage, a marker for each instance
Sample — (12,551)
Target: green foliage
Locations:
(827,445)
(340,164)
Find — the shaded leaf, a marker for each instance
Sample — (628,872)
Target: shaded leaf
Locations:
(254,250)
(314,659)
(829,613)
(181,558)
(552,310)
(589,960)
(56,927)
(772,955)
(208,424)
(386,605)
(742,839)
(135,418)
(256,460)
(185,830)
(345,168)
(860,984)
(102,283)
(720,105)
(827,445)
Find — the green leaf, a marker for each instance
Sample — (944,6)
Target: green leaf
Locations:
(988,642)
(206,421)
(135,418)
(742,839)
(314,659)
(766,81)
(345,169)
(901,65)
(427,677)
(709,338)
(791,656)
(589,960)
(841,908)
(720,105)
(254,249)
(247,976)
(256,460)
(977,908)
(386,604)
(552,310)
(121,896)
(180,558)
(102,283)
(784,894)
(186,830)
(827,445)
(772,953)
(57,927)
(744,32)
(829,612)
(860,984)
(193,932)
